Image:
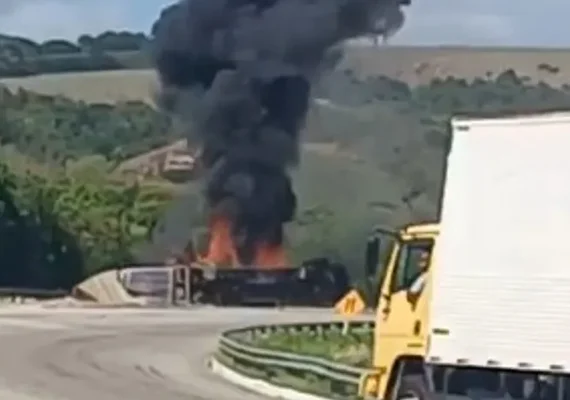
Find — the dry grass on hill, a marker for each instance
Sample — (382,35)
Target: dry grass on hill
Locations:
(410,64)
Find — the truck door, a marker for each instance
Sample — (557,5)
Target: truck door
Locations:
(403,305)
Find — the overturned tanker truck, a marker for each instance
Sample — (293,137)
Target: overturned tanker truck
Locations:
(215,276)
(316,282)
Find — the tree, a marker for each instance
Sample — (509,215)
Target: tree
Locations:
(86,43)
(58,46)
(119,41)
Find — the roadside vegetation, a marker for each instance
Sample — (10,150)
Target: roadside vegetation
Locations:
(57,229)
(66,212)
(353,348)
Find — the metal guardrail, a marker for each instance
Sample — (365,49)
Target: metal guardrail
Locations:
(341,379)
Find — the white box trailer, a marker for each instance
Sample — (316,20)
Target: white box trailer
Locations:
(501,285)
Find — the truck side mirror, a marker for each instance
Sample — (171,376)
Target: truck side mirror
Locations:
(372,257)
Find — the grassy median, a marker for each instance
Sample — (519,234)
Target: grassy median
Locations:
(354,348)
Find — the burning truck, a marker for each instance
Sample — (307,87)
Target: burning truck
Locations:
(217,276)
(236,77)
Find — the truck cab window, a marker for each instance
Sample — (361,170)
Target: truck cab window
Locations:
(413,260)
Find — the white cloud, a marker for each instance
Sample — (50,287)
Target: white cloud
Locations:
(454,27)
(42,19)
(487,22)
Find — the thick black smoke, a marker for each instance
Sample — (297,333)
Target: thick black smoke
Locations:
(241,72)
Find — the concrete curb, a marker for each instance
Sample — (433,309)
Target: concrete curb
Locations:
(257,385)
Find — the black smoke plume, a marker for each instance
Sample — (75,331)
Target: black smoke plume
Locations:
(237,75)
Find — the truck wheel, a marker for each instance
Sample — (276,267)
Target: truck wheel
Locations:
(414,387)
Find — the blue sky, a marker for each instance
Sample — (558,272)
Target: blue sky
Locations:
(430,22)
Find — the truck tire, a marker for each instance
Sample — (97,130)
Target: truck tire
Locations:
(414,387)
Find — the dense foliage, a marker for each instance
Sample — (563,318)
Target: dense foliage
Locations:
(56,129)
(56,231)
(389,138)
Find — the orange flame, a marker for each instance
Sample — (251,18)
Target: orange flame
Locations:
(267,256)
(222,250)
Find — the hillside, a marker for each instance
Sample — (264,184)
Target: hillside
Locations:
(378,126)
(92,87)
(413,65)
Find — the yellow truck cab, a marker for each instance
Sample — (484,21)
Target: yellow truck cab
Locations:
(477,305)
(401,335)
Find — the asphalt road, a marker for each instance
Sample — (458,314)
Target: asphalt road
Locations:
(114,354)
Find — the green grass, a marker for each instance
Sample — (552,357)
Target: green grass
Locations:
(307,383)
(354,348)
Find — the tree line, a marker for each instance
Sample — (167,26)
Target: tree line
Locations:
(107,51)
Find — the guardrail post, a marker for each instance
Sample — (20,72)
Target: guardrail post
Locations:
(320,330)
